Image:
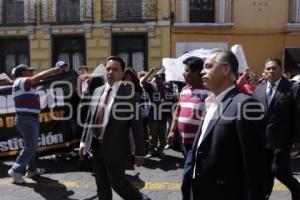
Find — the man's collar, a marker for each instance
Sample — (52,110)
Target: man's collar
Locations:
(212,99)
(220,97)
(114,87)
(276,83)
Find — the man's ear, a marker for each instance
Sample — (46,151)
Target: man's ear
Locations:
(226,69)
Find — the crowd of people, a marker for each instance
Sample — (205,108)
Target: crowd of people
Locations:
(236,131)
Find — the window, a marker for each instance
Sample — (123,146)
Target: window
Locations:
(71,50)
(13,12)
(129,10)
(132,49)
(294,11)
(202,11)
(68,11)
(12,53)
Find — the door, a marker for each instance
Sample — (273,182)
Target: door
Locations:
(71,50)
(132,49)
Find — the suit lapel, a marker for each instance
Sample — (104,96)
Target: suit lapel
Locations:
(219,112)
(96,102)
(279,93)
(262,94)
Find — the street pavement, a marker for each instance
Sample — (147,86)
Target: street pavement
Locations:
(159,179)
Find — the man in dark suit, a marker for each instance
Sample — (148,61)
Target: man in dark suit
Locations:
(228,151)
(107,133)
(281,100)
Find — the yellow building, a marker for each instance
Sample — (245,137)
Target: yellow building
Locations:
(142,32)
(41,32)
(265,28)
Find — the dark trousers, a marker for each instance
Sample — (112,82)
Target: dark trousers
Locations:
(111,176)
(208,189)
(279,160)
(186,185)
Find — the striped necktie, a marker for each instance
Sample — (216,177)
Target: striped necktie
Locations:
(269,93)
(100,114)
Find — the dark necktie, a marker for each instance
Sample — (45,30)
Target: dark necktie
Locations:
(100,114)
(269,94)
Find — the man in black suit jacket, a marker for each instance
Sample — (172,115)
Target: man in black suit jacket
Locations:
(281,100)
(109,137)
(228,151)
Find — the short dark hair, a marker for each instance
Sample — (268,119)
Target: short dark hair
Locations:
(83,67)
(118,59)
(194,63)
(276,60)
(228,57)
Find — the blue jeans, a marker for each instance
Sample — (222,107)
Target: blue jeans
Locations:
(186,185)
(29,127)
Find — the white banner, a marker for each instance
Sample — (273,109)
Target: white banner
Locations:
(237,49)
(175,67)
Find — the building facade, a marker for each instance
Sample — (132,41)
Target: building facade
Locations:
(264,28)
(83,32)
(142,32)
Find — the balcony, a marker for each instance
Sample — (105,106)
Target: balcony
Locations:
(125,11)
(17,13)
(66,11)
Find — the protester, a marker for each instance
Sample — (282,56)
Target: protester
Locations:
(131,78)
(188,114)
(62,65)
(107,134)
(27,119)
(247,82)
(281,99)
(161,99)
(228,153)
(83,76)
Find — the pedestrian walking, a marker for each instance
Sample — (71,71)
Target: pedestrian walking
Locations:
(228,153)
(188,115)
(107,133)
(281,99)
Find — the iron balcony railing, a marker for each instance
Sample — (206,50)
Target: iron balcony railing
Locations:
(128,10)
(66,11)
(16,13)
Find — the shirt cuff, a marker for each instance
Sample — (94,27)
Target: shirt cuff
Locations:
(81,145)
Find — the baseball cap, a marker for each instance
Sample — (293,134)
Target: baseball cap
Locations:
(20,68)
(60,63)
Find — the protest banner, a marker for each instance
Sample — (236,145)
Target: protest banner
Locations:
(58,101)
